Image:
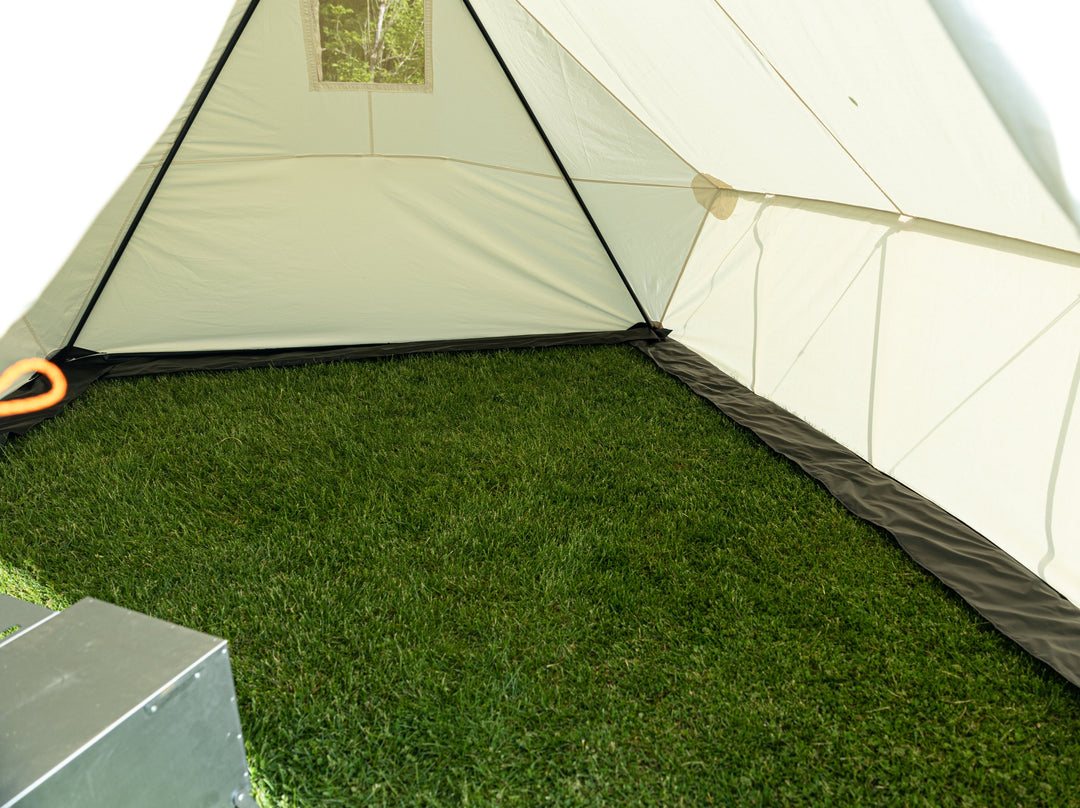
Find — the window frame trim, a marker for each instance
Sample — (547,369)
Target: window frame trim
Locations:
(309,12)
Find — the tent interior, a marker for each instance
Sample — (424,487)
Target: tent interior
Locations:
(820,218)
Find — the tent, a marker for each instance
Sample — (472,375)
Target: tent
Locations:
(852,226)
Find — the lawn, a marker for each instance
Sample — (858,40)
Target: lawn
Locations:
(527,578)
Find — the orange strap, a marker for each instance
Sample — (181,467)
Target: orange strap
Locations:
(20,406)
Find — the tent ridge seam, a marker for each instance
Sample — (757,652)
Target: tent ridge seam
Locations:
(809,109)
(606,89)
(685,264)
(25,320)
(631,183)
(1062,255)
(653,326)
(261,158)
(269,158)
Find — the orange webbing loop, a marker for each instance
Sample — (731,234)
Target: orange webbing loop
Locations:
(20,406)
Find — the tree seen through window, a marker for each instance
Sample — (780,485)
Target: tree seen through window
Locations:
(372,41)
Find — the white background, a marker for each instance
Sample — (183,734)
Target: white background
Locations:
(86,88)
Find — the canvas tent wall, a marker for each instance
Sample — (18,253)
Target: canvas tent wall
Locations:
(837,225)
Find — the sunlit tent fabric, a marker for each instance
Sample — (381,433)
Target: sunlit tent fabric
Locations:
(814,214)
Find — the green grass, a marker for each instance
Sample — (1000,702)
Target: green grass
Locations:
(539,578)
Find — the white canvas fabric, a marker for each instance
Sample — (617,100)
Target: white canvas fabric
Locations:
(1025,60)
(633,183)
(689,74)
(72,134)
(893,90)
(293,218)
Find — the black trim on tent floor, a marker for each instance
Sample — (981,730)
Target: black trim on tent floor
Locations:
(82,367)
(1018,603)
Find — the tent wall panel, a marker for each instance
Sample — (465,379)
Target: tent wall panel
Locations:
(283,238)
(955,313)
(970,406)
(894,90)
(51,318)
(1062,513)
(944,356)
(717,286)
(684,69)
(637,188)
(826,367)
(783,298)
(991,461)
(651,230)
(267,254)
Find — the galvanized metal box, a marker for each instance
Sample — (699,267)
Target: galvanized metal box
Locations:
(102,706)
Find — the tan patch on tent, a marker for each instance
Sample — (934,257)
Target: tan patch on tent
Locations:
(715,196)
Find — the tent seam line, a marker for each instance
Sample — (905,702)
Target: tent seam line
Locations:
(685,264)
(809,109)
(605,88)
(562,168)
(166,164)
(1020,352)
(388,156)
